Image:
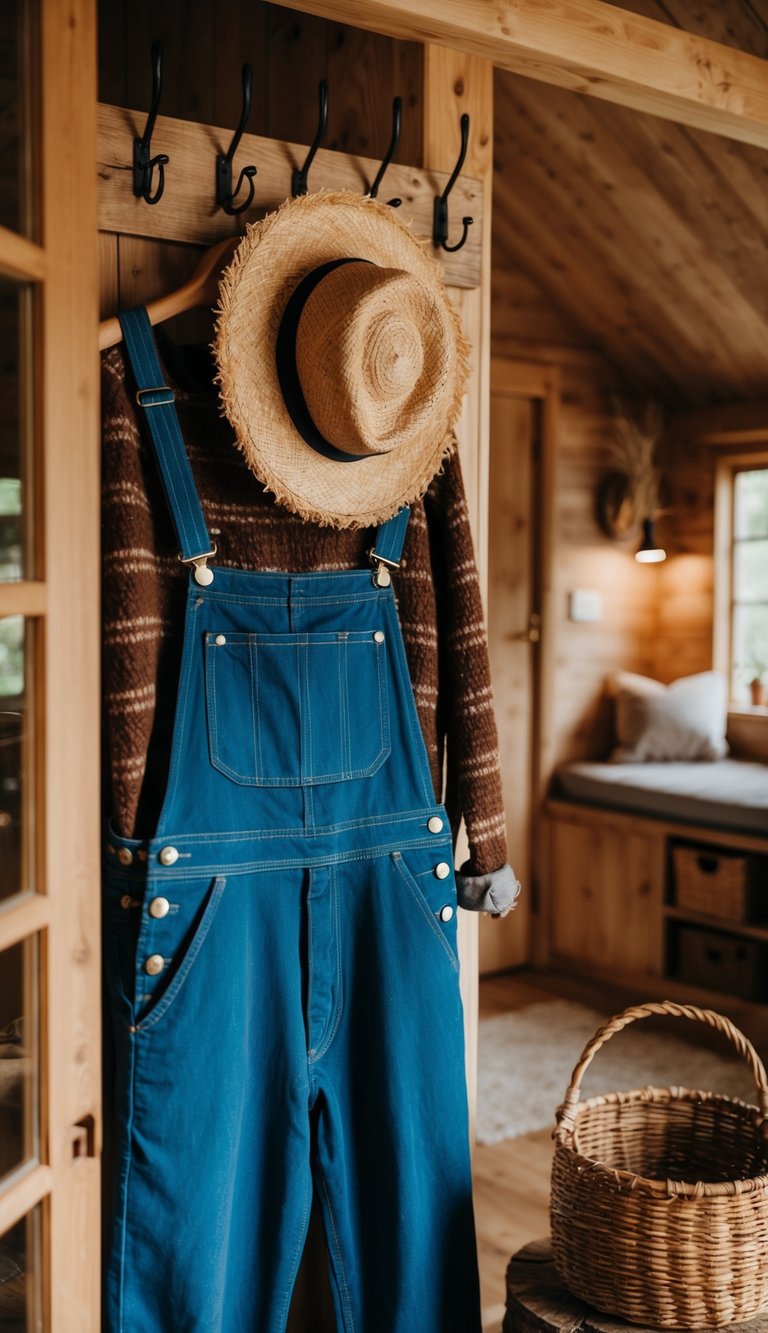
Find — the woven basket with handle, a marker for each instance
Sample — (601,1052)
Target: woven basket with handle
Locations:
(660,1196)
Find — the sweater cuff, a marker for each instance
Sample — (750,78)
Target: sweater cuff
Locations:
(497,892)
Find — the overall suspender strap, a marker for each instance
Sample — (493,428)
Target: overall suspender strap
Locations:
(387,549)
(157,400)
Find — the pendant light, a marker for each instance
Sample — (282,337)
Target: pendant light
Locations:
(649,552)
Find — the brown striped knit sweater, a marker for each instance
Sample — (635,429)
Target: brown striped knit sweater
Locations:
(144,588)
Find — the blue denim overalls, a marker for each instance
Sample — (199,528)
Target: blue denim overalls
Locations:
(281,964)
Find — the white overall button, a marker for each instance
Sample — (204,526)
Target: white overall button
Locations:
(169,856)
(154,964)
(159,907)
(220,639)
(203,575)
(125,856)
(442,870)
(446,913)
(435,824)
(379,636)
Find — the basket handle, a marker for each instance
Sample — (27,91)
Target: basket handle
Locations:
(565,1113)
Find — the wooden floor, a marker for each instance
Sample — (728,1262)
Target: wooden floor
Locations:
(511,1178)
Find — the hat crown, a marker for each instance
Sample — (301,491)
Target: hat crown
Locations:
(371,356)
(394,356)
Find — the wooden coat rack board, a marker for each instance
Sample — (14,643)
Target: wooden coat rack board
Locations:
(188,210)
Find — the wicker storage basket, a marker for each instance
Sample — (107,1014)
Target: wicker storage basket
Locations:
(660,1196)
(717,883)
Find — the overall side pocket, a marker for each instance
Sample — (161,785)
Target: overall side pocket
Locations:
(435,899)
(168,947)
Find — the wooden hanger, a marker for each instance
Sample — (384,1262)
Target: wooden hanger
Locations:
(202,289)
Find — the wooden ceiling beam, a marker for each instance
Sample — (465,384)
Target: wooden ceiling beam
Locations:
(590,47)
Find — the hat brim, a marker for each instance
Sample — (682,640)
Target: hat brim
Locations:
(272,259)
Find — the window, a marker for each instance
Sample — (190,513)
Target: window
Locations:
(741,630)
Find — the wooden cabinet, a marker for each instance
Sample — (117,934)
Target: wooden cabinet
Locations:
(610,908)
(606,887)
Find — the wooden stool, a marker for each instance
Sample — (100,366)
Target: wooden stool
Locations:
(537,1302)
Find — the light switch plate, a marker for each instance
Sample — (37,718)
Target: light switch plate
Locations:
(586,605)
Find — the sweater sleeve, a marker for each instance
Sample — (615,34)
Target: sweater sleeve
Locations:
(473,777)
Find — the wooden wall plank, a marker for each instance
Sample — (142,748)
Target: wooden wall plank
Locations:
(112,47)
(298,60)
(240,37)
(361,72)
(109,288)
(187,33)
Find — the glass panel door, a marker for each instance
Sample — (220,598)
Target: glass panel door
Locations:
(49,800)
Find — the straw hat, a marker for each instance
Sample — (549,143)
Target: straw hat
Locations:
(340,358)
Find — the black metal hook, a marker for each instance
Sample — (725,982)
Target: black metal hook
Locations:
(225,195)
(397,111)
(440,225)
(143,164)
(299,178)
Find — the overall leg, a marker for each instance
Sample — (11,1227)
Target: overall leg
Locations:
(214,1134)
(391,1162)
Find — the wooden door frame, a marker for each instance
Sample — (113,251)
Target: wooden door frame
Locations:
(540,381)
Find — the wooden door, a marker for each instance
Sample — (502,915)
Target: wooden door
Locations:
(523,405)
(49,915)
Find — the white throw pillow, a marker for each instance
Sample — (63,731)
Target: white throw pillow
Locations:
(682,721)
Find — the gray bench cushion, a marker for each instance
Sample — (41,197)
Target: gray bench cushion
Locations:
(728,794)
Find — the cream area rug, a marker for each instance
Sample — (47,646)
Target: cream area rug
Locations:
(526,1059)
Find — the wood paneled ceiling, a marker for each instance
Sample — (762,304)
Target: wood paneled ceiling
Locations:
(648,239)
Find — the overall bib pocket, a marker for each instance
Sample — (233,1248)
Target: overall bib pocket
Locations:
(146,974)
(434,898)
(294,710)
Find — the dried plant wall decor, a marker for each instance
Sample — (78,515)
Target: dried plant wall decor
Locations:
(631,492)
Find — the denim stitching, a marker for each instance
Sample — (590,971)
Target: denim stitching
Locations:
(249,835)
(310,963)
(253,662)
(417,738)
(179,721)
(345,1289)
(323,858)
(383,699)
(234,599)
(343,660)
(300,1239)
(409,879)
(306,734)
(339,1006)
(211,699)
(323,638)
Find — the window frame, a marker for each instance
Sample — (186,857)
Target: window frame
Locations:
(727,469)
